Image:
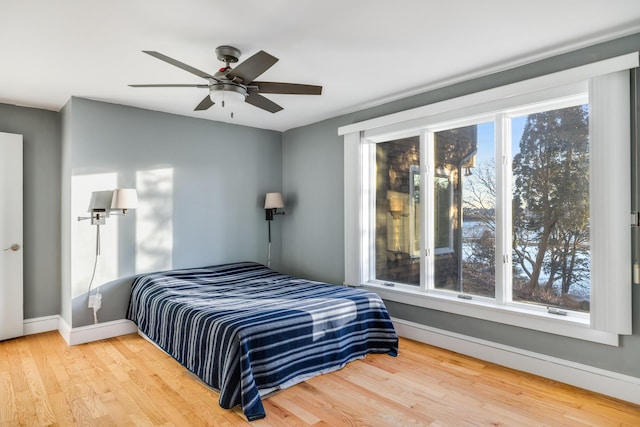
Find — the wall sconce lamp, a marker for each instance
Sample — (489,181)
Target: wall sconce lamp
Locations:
(109,202)
(123,199)
(272,202)
(102,204)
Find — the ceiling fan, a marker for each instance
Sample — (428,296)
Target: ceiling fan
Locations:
(238,82)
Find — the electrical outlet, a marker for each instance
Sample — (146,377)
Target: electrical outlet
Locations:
(95,301)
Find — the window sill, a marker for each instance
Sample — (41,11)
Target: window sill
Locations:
(568,326)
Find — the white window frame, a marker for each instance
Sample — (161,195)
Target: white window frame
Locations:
(610,245)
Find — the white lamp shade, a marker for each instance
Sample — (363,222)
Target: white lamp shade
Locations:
(124,198)
(273,200)
(101,201)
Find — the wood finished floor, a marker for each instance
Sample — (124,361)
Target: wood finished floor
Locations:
(127,381)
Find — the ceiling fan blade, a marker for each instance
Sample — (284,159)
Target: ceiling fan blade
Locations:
(252,67)
(261,102)
(170,85)
(179,64)
(205,104)
(287,88)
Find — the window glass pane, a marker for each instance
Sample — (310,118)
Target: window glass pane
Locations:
(397,232)
(464,210)
(551,208)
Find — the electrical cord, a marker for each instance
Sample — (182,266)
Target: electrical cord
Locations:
(95,263)
(93,275)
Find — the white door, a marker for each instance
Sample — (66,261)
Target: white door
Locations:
(11,309)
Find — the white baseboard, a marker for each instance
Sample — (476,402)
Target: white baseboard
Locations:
(99,331)
(81,335)
(613,384)
(64,329)
(40,324)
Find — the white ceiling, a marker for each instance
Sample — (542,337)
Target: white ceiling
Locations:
(363,52)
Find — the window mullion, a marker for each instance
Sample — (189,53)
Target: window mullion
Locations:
(427,241)
(503,213)
(368,209)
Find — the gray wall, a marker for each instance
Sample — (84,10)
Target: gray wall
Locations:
(221,173)
(313,238)
(313,226)
(41,171)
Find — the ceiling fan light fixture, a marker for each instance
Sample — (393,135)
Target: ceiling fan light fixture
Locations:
(236,84)
(224,92)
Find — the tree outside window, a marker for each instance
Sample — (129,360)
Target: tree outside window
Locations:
(551,209)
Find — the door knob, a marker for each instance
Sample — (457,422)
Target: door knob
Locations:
(14,247)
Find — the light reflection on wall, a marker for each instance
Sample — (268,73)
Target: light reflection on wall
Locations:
(83,235)
(154,220)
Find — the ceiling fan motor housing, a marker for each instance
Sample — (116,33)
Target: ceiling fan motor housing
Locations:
(228,54)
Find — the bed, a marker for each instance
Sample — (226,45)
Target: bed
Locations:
(246,330)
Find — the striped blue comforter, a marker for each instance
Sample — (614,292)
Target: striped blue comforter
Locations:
(245,329)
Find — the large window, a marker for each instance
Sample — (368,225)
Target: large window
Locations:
(548,229)
(504,205)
